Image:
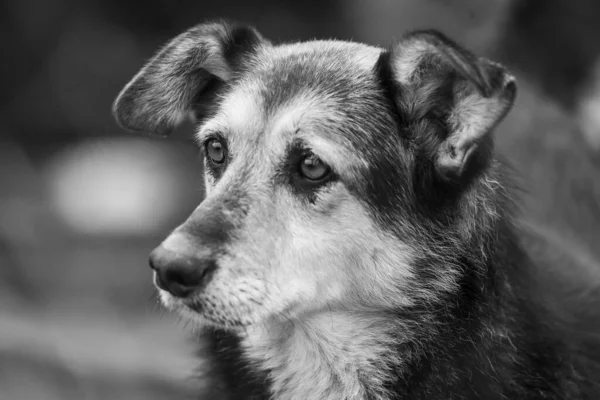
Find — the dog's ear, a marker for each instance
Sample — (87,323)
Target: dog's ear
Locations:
(181,79)
(448,99)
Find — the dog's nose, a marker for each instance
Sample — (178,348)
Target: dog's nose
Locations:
(178,273)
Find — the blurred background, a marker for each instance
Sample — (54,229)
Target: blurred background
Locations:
(82,203)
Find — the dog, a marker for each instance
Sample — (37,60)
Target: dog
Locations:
(359,238)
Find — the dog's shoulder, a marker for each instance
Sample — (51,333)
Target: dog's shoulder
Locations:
(560,293)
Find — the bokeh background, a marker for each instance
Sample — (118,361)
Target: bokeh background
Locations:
(82,203)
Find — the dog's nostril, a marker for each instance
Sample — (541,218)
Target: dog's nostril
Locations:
(176,288)
(182,282)
(159,281)
(191,274)
(183,277)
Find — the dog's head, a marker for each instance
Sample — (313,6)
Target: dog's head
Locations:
(331,168)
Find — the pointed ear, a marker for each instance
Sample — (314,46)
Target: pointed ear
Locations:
(181,79)
(449,100)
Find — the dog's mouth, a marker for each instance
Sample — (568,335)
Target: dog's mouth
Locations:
(201,311)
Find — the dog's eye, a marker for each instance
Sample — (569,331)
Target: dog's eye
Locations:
(312,168)
(215,151)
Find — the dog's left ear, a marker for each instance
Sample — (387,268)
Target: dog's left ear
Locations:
(448,99)
(181,80)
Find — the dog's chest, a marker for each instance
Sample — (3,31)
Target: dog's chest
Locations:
(329,356)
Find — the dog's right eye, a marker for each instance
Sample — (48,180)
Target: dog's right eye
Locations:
(312,168)
(215,151)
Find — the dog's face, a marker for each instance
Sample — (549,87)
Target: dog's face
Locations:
(326,164)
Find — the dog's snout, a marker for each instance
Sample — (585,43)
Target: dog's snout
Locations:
(178,273)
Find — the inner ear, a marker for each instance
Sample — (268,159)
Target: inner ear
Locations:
(471,121)
(448,99)
(183,78)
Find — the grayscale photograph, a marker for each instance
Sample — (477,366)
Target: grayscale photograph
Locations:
(300,200)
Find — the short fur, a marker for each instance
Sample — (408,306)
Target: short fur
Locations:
(403,276)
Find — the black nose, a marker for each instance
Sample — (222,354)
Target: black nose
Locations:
(180,274)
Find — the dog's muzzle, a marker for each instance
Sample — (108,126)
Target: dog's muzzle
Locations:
(180,274)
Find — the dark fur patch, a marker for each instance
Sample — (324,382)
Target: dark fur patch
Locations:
(288,174)
(231,376)
(214,225)
(239,46)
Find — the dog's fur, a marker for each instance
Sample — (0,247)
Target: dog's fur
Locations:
(404,275)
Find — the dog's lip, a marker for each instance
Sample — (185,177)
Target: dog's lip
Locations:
(190,304)
(194,305)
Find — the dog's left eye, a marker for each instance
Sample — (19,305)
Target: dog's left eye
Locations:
(215,151)
(312,168)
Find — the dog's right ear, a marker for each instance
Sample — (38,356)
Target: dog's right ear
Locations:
(183,77)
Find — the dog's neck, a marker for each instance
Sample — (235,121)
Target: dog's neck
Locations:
(358,355)
(377,355)
(328,355)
